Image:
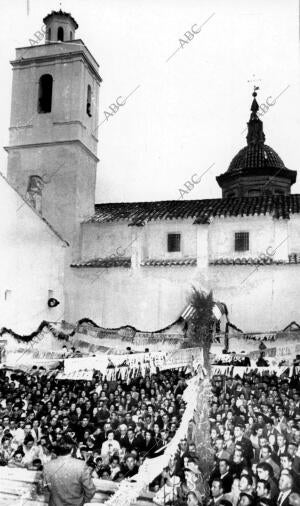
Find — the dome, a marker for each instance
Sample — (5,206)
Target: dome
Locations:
(256,169)
(255,157)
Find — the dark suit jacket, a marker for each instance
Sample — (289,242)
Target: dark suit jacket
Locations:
(69,482)
(227,482)
(286,502)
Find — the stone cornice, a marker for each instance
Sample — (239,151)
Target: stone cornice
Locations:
(53,143)
(22,62)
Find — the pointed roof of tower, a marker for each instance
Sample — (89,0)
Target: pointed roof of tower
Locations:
(255,125)
(256,167)
(256,154)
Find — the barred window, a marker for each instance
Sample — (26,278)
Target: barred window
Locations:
(174,242)
(241,241)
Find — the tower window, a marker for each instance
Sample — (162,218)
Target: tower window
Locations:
(174,241)
(241,242)
(60,34)
(71,35)
(89,101)
(49,34)
(45,93)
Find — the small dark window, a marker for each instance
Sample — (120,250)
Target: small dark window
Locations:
(60,34)
(241,241)
(89,101)
(49,33)
(173,242)
(230,195)
(45,93)
(71,35)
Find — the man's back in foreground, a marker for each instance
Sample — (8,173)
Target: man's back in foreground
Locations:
(68,480)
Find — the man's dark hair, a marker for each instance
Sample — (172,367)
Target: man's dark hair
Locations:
(266,467)
(287,456)
(249,497)
(28,439)
(65,446)
(115,457)
(224,460)
(37,463)
(266,484)
(220,481)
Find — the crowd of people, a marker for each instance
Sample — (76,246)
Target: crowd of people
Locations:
(255,432)
(113,426)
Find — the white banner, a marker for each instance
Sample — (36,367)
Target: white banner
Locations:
(229,370)
(107,364)
(75,375)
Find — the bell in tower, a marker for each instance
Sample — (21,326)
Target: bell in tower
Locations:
(60,26)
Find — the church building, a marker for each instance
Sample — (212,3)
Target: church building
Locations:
(135,263)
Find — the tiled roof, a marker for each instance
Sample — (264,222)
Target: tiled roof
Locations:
(169,262)
(104,262)
(294,258)
(139,213)
(256,156)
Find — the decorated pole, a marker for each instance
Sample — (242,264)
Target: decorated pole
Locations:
(200,334)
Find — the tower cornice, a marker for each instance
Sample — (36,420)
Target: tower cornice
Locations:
(36,58)
(53,143)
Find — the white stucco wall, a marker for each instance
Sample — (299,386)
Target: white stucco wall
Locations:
(264,233)
(101,241)
(259,298)
(31,263)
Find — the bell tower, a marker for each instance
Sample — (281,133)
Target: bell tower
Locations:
(52,152)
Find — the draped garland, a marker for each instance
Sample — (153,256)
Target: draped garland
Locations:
(44,325)
(64,330)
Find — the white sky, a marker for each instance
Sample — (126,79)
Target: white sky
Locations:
(188,113)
